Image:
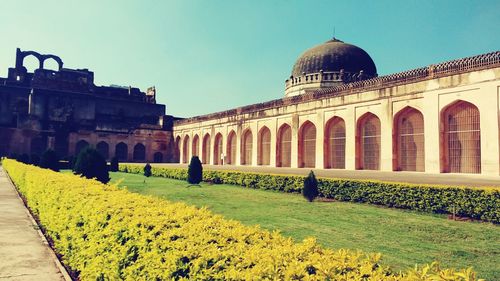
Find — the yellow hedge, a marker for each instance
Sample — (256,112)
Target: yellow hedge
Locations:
(106,233)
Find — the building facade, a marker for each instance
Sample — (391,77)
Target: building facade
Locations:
(64,110)
(338,114)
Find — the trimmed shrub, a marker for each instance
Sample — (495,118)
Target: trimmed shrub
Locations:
(147,170)
(478,203)
(195,171)
(91,164)
(114,165)
(49,160)
(106,233)
(310,189)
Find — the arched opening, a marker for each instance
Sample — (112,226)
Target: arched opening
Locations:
(157,157)
(177,149)
(121,152)
(231,148)
(307,145)
(218,157)
(51,64)
(368,142)
(206,150)
(38,145)
(185,150)
(103,148)
(139,152)
(195,150)
(31,63)
(335,144)
(408,140)
(264,146)
(284,149)
(246,148)
(80,145)
(461,138)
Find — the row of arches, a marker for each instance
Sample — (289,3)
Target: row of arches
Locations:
(459,134)
(121,151)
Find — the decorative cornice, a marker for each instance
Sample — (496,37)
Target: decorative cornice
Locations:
(469,64)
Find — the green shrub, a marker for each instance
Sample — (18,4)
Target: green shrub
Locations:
(91,164)
(310,189)
(114,165)
(147,170)
(49,160)
(478,203)
(195,171)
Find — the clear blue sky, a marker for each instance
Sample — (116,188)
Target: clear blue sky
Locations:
(208,56)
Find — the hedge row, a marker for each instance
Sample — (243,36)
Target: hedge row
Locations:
(106,233)
(477,203)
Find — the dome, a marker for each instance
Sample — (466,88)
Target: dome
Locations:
(332,56)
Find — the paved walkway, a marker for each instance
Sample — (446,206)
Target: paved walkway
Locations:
(408,177)
(24,255)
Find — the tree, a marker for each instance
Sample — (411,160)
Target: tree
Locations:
(147,170)
(310,190)
(91,164)
(195,171)
(114,165)
(49,160)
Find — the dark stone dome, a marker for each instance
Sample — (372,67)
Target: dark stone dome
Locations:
(332,56)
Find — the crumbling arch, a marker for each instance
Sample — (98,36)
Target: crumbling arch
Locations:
(307,145)
(461,138)
(21,55)
(334,144)
(284,146)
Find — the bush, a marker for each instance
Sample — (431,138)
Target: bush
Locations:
(35,159)
(147,170)
(195,171)
(107,233)
(478,203)
(91,164)
(310,189)
(49,160)
(114,165)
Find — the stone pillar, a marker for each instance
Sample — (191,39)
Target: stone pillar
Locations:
(238,146)
(320,135)
(385,115)
(350,139)
(489,124)
(255,143)
(432,131)
(295,141)
(274,137)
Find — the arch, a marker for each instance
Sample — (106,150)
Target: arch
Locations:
(139,152)
(157,157)
(218,157)
(185,150)
(307,145)
(56,59)
(22,55)
(103,149)
(121,151)
(334,144)
(231,148)
(284,146)
(195,149)
(461,138)
(205,153)
(80,145)
(264,146)
(177,149)
(31,62)
(246,147)
(368,142)
(408,140)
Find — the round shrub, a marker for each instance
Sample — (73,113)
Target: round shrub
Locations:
(49,160)
(114,165)
(310,190)
(147,170)
(195,171)
(91,164)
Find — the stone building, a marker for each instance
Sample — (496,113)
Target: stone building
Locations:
(338,114)
(63,109)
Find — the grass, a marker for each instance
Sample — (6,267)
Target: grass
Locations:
(405,238)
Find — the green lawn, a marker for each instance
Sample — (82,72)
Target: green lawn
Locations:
(405,238)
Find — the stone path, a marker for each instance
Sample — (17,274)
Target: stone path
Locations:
(24,254)
(408,177)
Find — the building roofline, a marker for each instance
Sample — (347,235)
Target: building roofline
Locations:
(458,66)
